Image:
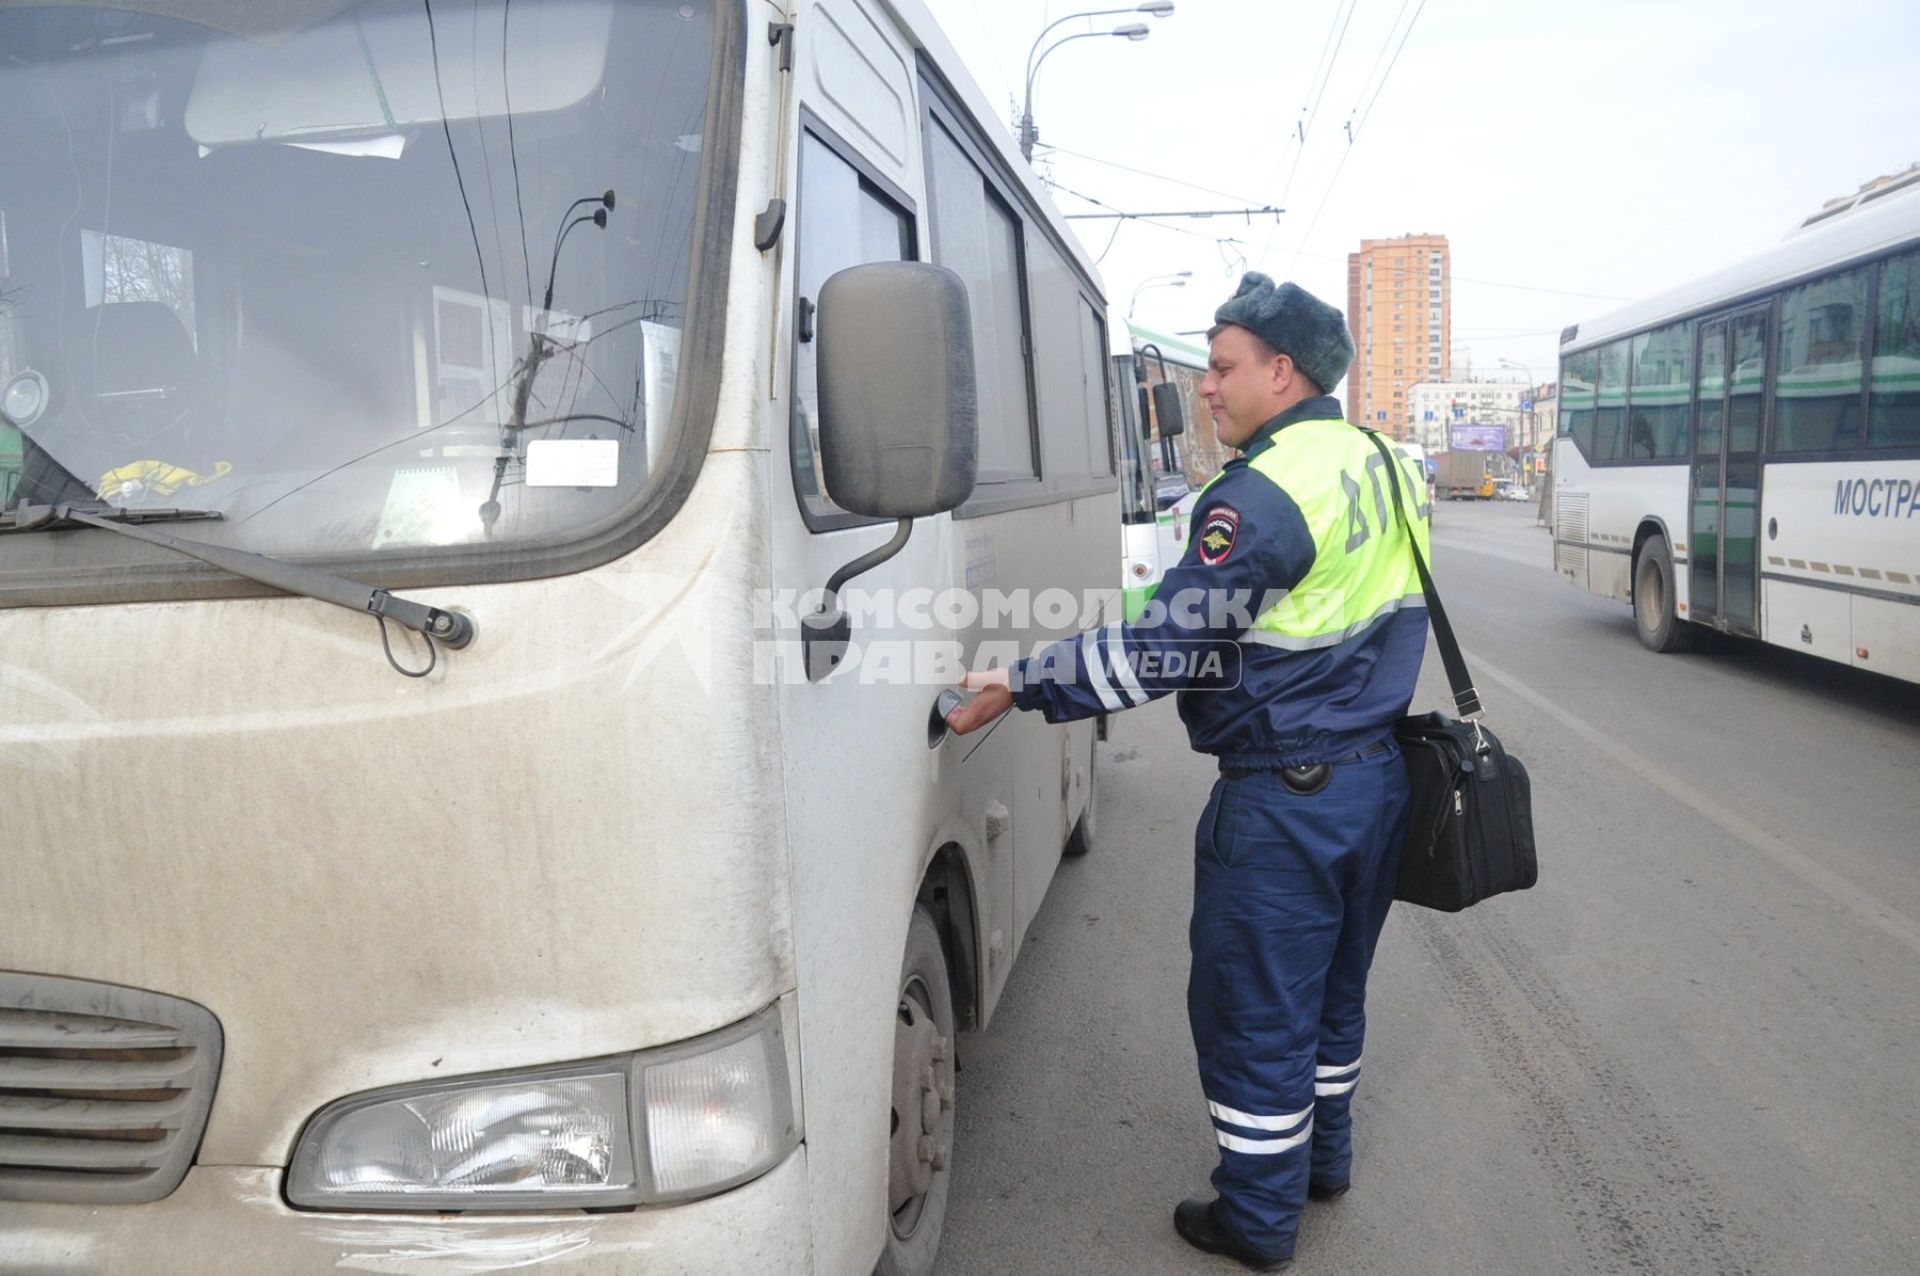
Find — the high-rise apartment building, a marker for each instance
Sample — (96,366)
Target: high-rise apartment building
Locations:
(1400,308)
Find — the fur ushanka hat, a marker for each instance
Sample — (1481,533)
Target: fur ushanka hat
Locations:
(1294,322)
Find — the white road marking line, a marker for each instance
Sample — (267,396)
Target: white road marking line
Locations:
(1862,903)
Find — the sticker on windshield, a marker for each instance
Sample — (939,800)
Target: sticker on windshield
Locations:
(1217,534)
(424,507)
(573,463)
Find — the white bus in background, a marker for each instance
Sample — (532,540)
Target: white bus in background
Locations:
(619,938)
(1743,454)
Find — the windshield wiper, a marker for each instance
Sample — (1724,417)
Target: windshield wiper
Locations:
(26,517)
(450,628)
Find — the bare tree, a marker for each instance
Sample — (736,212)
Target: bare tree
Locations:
(140,270)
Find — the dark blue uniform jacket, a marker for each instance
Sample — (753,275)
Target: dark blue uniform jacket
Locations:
(1255,705)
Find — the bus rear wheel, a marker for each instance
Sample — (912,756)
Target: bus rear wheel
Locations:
(1655,619)
(920,1149)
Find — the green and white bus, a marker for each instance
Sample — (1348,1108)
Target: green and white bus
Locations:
(1742,454)
(1162,467)
(594,339)
(1142,562)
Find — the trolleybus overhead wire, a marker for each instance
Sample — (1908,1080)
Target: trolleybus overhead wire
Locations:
(1311,112)
(1357,129)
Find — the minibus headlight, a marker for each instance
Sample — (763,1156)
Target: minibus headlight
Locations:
(540,1140)
(675,1123)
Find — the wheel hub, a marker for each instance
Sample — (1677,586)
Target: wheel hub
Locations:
(921,1100)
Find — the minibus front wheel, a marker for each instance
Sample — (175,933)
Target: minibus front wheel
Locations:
(920,1149)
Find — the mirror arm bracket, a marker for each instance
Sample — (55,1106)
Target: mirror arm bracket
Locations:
(768,223)
(780,36)
(825,634)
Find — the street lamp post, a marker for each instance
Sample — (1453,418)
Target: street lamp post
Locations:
(1133,31)
(1526,439)
(1158,281)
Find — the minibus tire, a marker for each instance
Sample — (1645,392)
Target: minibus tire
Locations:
(925,1002)
(1655,620)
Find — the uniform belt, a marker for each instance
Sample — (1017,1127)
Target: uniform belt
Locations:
(1377,749)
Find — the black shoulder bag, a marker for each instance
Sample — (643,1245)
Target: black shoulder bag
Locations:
(1470,827)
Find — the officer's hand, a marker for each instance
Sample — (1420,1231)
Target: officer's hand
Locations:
(991,699)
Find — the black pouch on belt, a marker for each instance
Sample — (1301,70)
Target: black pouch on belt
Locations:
(1306,779)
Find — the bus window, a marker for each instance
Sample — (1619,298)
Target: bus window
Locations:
(844,219)
(1713,397)
(1577,398)
(1067,379)
(1894,420)
(978,237)
(1817,365)
(1657,399)
(1609,421)
(1095,389)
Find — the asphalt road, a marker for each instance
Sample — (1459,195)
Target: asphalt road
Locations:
(1693,1048)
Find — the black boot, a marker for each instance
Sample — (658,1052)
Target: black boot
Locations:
(1200,1228)
(1317,1190)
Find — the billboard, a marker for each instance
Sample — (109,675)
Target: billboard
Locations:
(1477,438)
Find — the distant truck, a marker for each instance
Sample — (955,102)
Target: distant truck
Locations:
(1468,476)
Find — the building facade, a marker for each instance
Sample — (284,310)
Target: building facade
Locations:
(1400,308)
(1526,411)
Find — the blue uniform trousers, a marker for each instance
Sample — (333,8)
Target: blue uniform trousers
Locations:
(1290,892)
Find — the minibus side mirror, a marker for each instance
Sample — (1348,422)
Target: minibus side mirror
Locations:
(898,420)
(1168,410)
(898,416)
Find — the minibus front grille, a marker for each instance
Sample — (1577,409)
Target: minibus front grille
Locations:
(104,1090)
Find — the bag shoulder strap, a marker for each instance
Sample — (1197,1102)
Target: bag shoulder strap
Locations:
(1465,698)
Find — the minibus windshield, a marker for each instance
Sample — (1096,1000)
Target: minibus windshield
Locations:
(364,280)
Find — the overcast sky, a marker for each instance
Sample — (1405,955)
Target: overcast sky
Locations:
(1576,155)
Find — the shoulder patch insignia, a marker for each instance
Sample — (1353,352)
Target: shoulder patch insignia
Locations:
(1217,534)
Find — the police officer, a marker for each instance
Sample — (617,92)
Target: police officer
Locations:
(1300,582)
